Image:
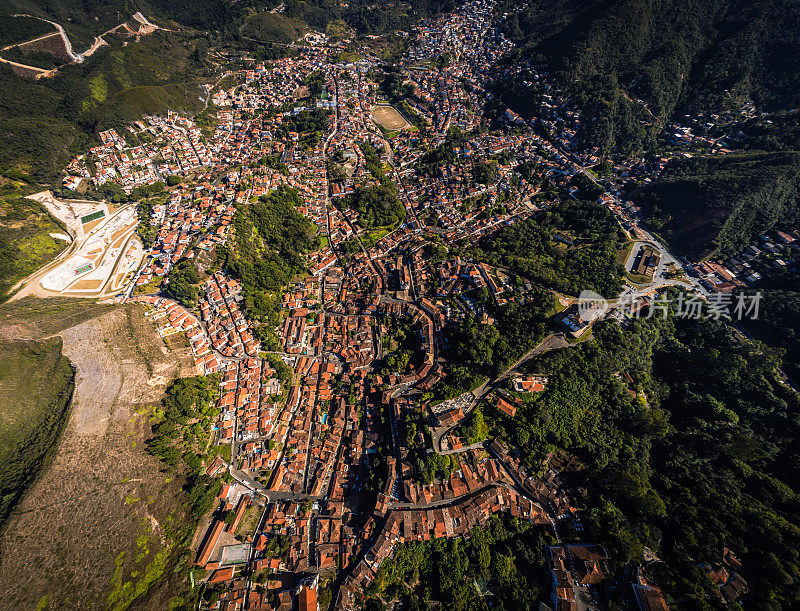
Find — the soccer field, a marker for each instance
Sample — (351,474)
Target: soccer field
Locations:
(388,117)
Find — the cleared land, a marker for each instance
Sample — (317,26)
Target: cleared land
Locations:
(100,525)
(104,246)
(388,117)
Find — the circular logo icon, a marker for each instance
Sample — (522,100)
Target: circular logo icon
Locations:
(592,305)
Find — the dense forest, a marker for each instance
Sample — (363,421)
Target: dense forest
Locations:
(183,447)
(632,63)
(778,323)
(182,282)
(365,17)
(476,351)
(694,452)
(717,205)
(377,206)
(506,556)
(271,239)
(530,248)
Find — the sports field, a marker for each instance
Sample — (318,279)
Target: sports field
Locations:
(388,117)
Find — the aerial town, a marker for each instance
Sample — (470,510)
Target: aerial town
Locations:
(324,425)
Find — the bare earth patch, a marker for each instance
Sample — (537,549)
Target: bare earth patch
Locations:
(104,501)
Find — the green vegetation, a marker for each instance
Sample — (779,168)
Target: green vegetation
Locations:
(402,343)
(505,557)
(36,384)
(182,283)
(530,249)
(305,121)
(43,317)
(696,452)
(273,27)
(315,83)
(45,122)
(124,594)
(25,240)
(778,323)
(484,172)
(377,206)
(181,445)
(364,17)
(476,351)
(394,86)
(776,132)
(631,64)
(717,205)
(282,371)
(36,58)
(20,29)
(272,238)
(431,162)
(83,21)
(372,161)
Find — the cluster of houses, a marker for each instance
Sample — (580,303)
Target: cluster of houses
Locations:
(312,428)
(453,520)
(192,217)
(775,251)
(170,319)
(228,330)
(161,147)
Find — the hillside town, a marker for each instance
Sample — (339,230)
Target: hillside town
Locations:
(325,418)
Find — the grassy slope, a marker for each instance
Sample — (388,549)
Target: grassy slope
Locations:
(273,27)
(36,384)
(25,240)
(129,534)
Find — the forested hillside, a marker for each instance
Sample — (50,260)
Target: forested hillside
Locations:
(363,16)
(44,122)
(717,205)
(779,322)
(626,59)
(271,239)
(85,19)
(570,247)
(695,453)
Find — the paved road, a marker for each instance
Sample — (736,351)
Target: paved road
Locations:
(554,341)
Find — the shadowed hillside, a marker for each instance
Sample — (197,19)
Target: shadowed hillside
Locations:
(720,204)
(625,59)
